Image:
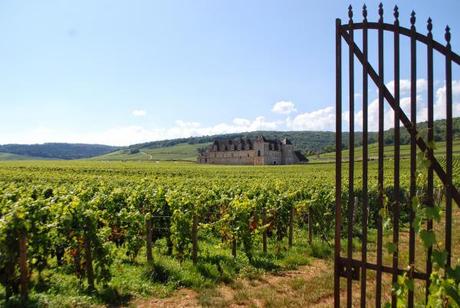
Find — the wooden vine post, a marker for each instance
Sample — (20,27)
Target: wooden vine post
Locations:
(149,235)
(24,271)
(310,227)
(291,226)
(88,260)
(264,233)
(195,238)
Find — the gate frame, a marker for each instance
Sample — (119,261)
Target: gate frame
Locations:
(348,267)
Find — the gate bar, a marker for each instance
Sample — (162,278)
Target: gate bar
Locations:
(365,165)
(405,31)
(448,148)
(351,158)
(378,293)
(396,158)
(338,160)
(413,151)
(384,268)
(430,183)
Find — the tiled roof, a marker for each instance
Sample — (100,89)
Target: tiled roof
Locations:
(245,143)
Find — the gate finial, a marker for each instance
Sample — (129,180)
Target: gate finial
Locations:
(350,13)
(396,14)
(365,12)
(447,35)
(429,27)
(412,20)
(381,12)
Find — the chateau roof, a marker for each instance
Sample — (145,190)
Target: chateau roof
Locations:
(222,144)
(274,141)
(300,156)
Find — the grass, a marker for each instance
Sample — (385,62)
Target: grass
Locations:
(319,249)
(179,152)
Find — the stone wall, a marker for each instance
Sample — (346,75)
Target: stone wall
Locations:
(245,157)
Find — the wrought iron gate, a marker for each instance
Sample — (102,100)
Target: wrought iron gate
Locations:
(349,266)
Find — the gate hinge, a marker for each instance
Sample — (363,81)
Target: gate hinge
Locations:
(343,269)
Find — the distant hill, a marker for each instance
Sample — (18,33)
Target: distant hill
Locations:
(57,150)
(303,140)
(314,141)
(186,148)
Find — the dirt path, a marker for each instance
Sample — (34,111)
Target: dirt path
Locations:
(306,286)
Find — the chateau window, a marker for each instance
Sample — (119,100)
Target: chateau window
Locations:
(226,148)
(234,147)
(258,153)
(270,147)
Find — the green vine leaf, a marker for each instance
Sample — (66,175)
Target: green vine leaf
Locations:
(428,238)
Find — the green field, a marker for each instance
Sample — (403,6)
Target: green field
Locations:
(440,149)
(188,152)
(179,152)
(10,156)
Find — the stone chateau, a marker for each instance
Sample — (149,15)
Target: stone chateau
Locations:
(245,151)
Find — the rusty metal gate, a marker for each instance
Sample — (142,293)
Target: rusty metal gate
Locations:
(353,267)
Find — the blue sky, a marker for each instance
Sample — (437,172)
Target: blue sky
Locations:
(122,72)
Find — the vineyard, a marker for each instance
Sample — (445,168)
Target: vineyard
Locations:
(84,233)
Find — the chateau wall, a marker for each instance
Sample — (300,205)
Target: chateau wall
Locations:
(288,154)
(273,158)
(245,157)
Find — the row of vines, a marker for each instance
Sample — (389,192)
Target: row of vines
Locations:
(79,222)
(77,216)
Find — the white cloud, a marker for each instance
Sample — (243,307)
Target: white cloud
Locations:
(439,106)
(241,122)
(139,113)
(284,107)
(322,119)
(405,85)
(126,135)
